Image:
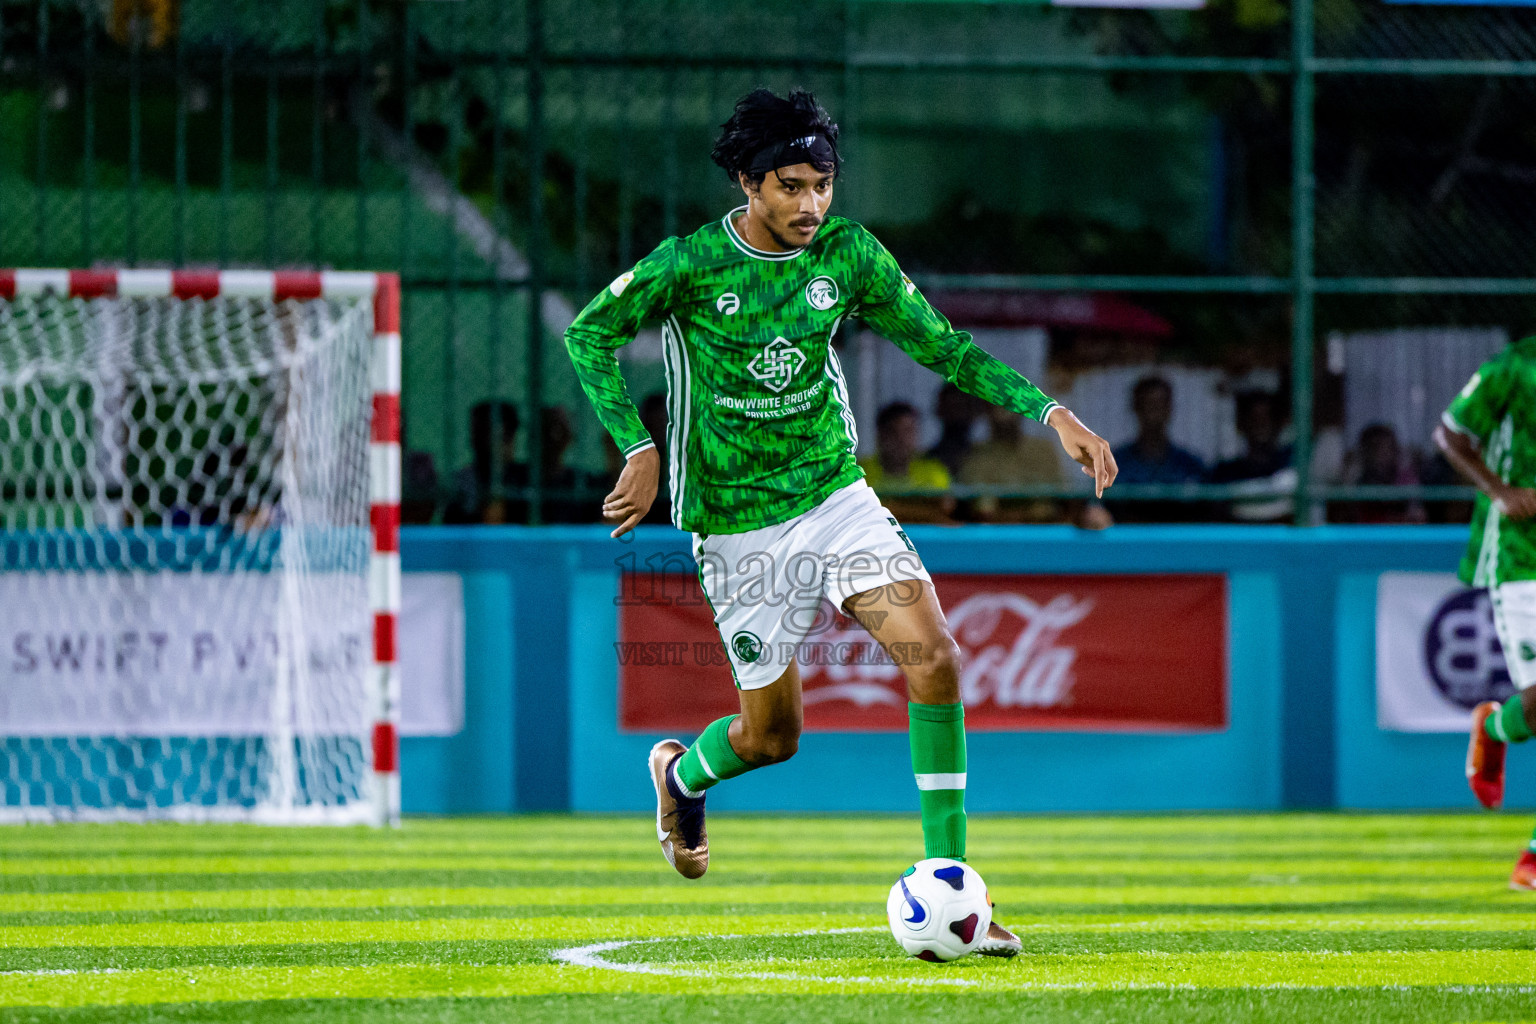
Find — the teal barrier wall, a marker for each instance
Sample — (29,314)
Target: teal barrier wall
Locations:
(1301,651)
(472,772)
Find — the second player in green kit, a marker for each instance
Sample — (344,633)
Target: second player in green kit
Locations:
(1489,434)
(762,444)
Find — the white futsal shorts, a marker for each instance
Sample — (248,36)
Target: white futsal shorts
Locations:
(1514,616)
(766,587)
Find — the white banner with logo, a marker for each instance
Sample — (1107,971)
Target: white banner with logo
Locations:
(192,653)
(1437,653)
(431,653)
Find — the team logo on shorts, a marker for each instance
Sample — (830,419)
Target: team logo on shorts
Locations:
(821,293)
(747,646)
(728,303)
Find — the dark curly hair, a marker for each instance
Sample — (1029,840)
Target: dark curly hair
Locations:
(762,119)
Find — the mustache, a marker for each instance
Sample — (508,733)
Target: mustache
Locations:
(805,222)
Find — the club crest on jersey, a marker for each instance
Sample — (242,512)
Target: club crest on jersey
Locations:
(821,293)
(777,364)
(908,282)
(620,283)
(728,303)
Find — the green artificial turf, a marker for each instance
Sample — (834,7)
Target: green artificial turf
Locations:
(1335,918)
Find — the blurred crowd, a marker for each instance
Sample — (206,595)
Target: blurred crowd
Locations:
(954,480)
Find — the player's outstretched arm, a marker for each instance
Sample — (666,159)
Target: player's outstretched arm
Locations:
(1089,449)
(1463,453)
(632,496)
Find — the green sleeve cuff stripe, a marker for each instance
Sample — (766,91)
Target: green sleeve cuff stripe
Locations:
(1451,424)
(639,446)
(1050,407)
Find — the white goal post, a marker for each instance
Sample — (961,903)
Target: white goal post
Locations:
(199,546)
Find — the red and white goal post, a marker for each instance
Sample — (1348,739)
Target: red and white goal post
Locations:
(199,546)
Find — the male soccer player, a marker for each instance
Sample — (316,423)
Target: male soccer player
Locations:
(762,460)
(1489,434)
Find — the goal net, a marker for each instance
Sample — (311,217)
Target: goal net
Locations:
(199,569)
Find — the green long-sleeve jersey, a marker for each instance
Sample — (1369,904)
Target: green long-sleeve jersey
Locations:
(759,424)
(1495,410)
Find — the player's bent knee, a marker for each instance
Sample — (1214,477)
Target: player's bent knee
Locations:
(934,677)
(770,747)
(781,748)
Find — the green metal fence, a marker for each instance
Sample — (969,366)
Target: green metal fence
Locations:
(1261,175)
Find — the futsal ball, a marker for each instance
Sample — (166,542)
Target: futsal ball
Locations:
(938,910)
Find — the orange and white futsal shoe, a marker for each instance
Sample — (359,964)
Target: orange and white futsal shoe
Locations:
(999,941)
(679,818)
(1485,759)
(1524,877)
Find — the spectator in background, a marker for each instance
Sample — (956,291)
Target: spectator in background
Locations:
(418,487)
(1437,471)
(1378,461)
(474,498)
(571,506)
(1264,469)
(653,416)
(1152,458)
(418,482)
(494,451)
(1012,458)
(896,466)
(957,413)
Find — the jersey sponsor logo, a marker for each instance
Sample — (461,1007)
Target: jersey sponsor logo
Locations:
(620,283)
(728,303)
(821,293)
(747,646)
(1462,654)
(777,364)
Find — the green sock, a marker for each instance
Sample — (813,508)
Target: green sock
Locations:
(1533,842)
(1507,725)
(710,759)
(937,732)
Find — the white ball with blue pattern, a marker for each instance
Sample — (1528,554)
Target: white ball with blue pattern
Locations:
(938,910)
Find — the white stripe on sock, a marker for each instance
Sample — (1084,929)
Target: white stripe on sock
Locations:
(677,780)
(1498,725)
(705,764)
(941,780)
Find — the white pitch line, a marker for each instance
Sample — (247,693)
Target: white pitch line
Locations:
(592,956)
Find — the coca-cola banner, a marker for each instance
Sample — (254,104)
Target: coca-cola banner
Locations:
(1038,652)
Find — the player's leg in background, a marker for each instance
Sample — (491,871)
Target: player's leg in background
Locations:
(1513,721)
(904,616)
